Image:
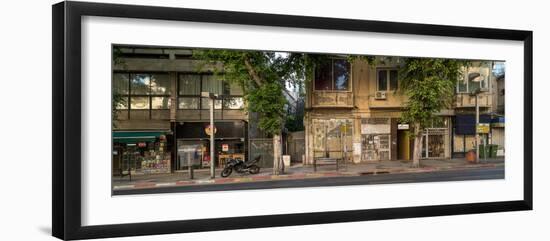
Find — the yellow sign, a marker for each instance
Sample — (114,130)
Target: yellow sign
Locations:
(208,131)
(483,128)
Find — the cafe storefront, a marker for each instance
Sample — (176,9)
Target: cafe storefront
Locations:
(193,143)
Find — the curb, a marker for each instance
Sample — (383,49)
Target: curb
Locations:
(378,171)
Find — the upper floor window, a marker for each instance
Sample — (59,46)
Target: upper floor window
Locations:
(142,91)
(387,80)
(333,74)
(190,87)
(475,77)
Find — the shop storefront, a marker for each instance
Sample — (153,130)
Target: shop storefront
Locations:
(332,138)
(375,139)
(193,143)
(464,133)
(141,152)
(436,139)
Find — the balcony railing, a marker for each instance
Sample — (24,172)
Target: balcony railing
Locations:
(332,99)
(465,100)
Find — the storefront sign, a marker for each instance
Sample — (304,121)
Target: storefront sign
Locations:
(402,126)
(209,131)
(142,144)
(375,128)
(225,147)
(483,128)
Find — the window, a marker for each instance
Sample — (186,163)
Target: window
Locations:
(475,77)
(189,103)
(142,91)
(212,84)
(333,74)
(120,84)
(205,104)
(189,91)
(190,87)
(233,103)
(387,80)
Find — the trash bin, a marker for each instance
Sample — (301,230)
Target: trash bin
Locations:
(483,151)
(493,150)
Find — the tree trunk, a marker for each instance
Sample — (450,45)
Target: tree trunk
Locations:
(417,151)
(277,154)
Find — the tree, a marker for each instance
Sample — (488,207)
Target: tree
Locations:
(429,84)
(263,76)
(117,98)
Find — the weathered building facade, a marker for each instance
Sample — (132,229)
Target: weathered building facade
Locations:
(353,112)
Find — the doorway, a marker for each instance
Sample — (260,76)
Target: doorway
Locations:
(404,149)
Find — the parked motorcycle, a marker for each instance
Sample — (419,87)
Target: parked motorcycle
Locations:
(241,166)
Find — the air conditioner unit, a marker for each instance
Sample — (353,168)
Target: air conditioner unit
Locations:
(380,95)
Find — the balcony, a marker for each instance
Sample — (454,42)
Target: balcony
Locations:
(465,100)
(332,99)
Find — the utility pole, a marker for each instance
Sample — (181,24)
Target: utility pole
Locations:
(211,97)
(477,131)
(212,159)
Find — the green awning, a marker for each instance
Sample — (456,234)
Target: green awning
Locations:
(135,136)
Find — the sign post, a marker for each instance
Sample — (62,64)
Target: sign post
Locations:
(211,97)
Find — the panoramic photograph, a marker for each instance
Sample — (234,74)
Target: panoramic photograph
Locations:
(197,119)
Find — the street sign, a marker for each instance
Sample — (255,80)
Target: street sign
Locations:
(483,128)
(208,131)
(402,126)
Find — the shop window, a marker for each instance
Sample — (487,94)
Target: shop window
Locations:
(333,74)
(387,80)
(375,139)
(375,147)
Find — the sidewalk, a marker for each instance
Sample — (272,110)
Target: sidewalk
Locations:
(297,171)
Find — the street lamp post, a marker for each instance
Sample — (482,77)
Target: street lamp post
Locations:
(211,97)
(478,78)
(477,124)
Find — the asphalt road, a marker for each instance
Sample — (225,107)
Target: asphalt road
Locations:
(437,176)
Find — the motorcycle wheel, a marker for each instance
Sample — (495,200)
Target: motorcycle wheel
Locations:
(254,169)
(226,171)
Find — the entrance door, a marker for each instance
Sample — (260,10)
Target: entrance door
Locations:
(403,145)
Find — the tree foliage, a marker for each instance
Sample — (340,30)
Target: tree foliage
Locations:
(262,75)
(429,85)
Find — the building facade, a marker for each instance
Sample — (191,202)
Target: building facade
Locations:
(161,123)
(353,112)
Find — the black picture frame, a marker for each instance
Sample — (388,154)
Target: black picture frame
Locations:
(66,153)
